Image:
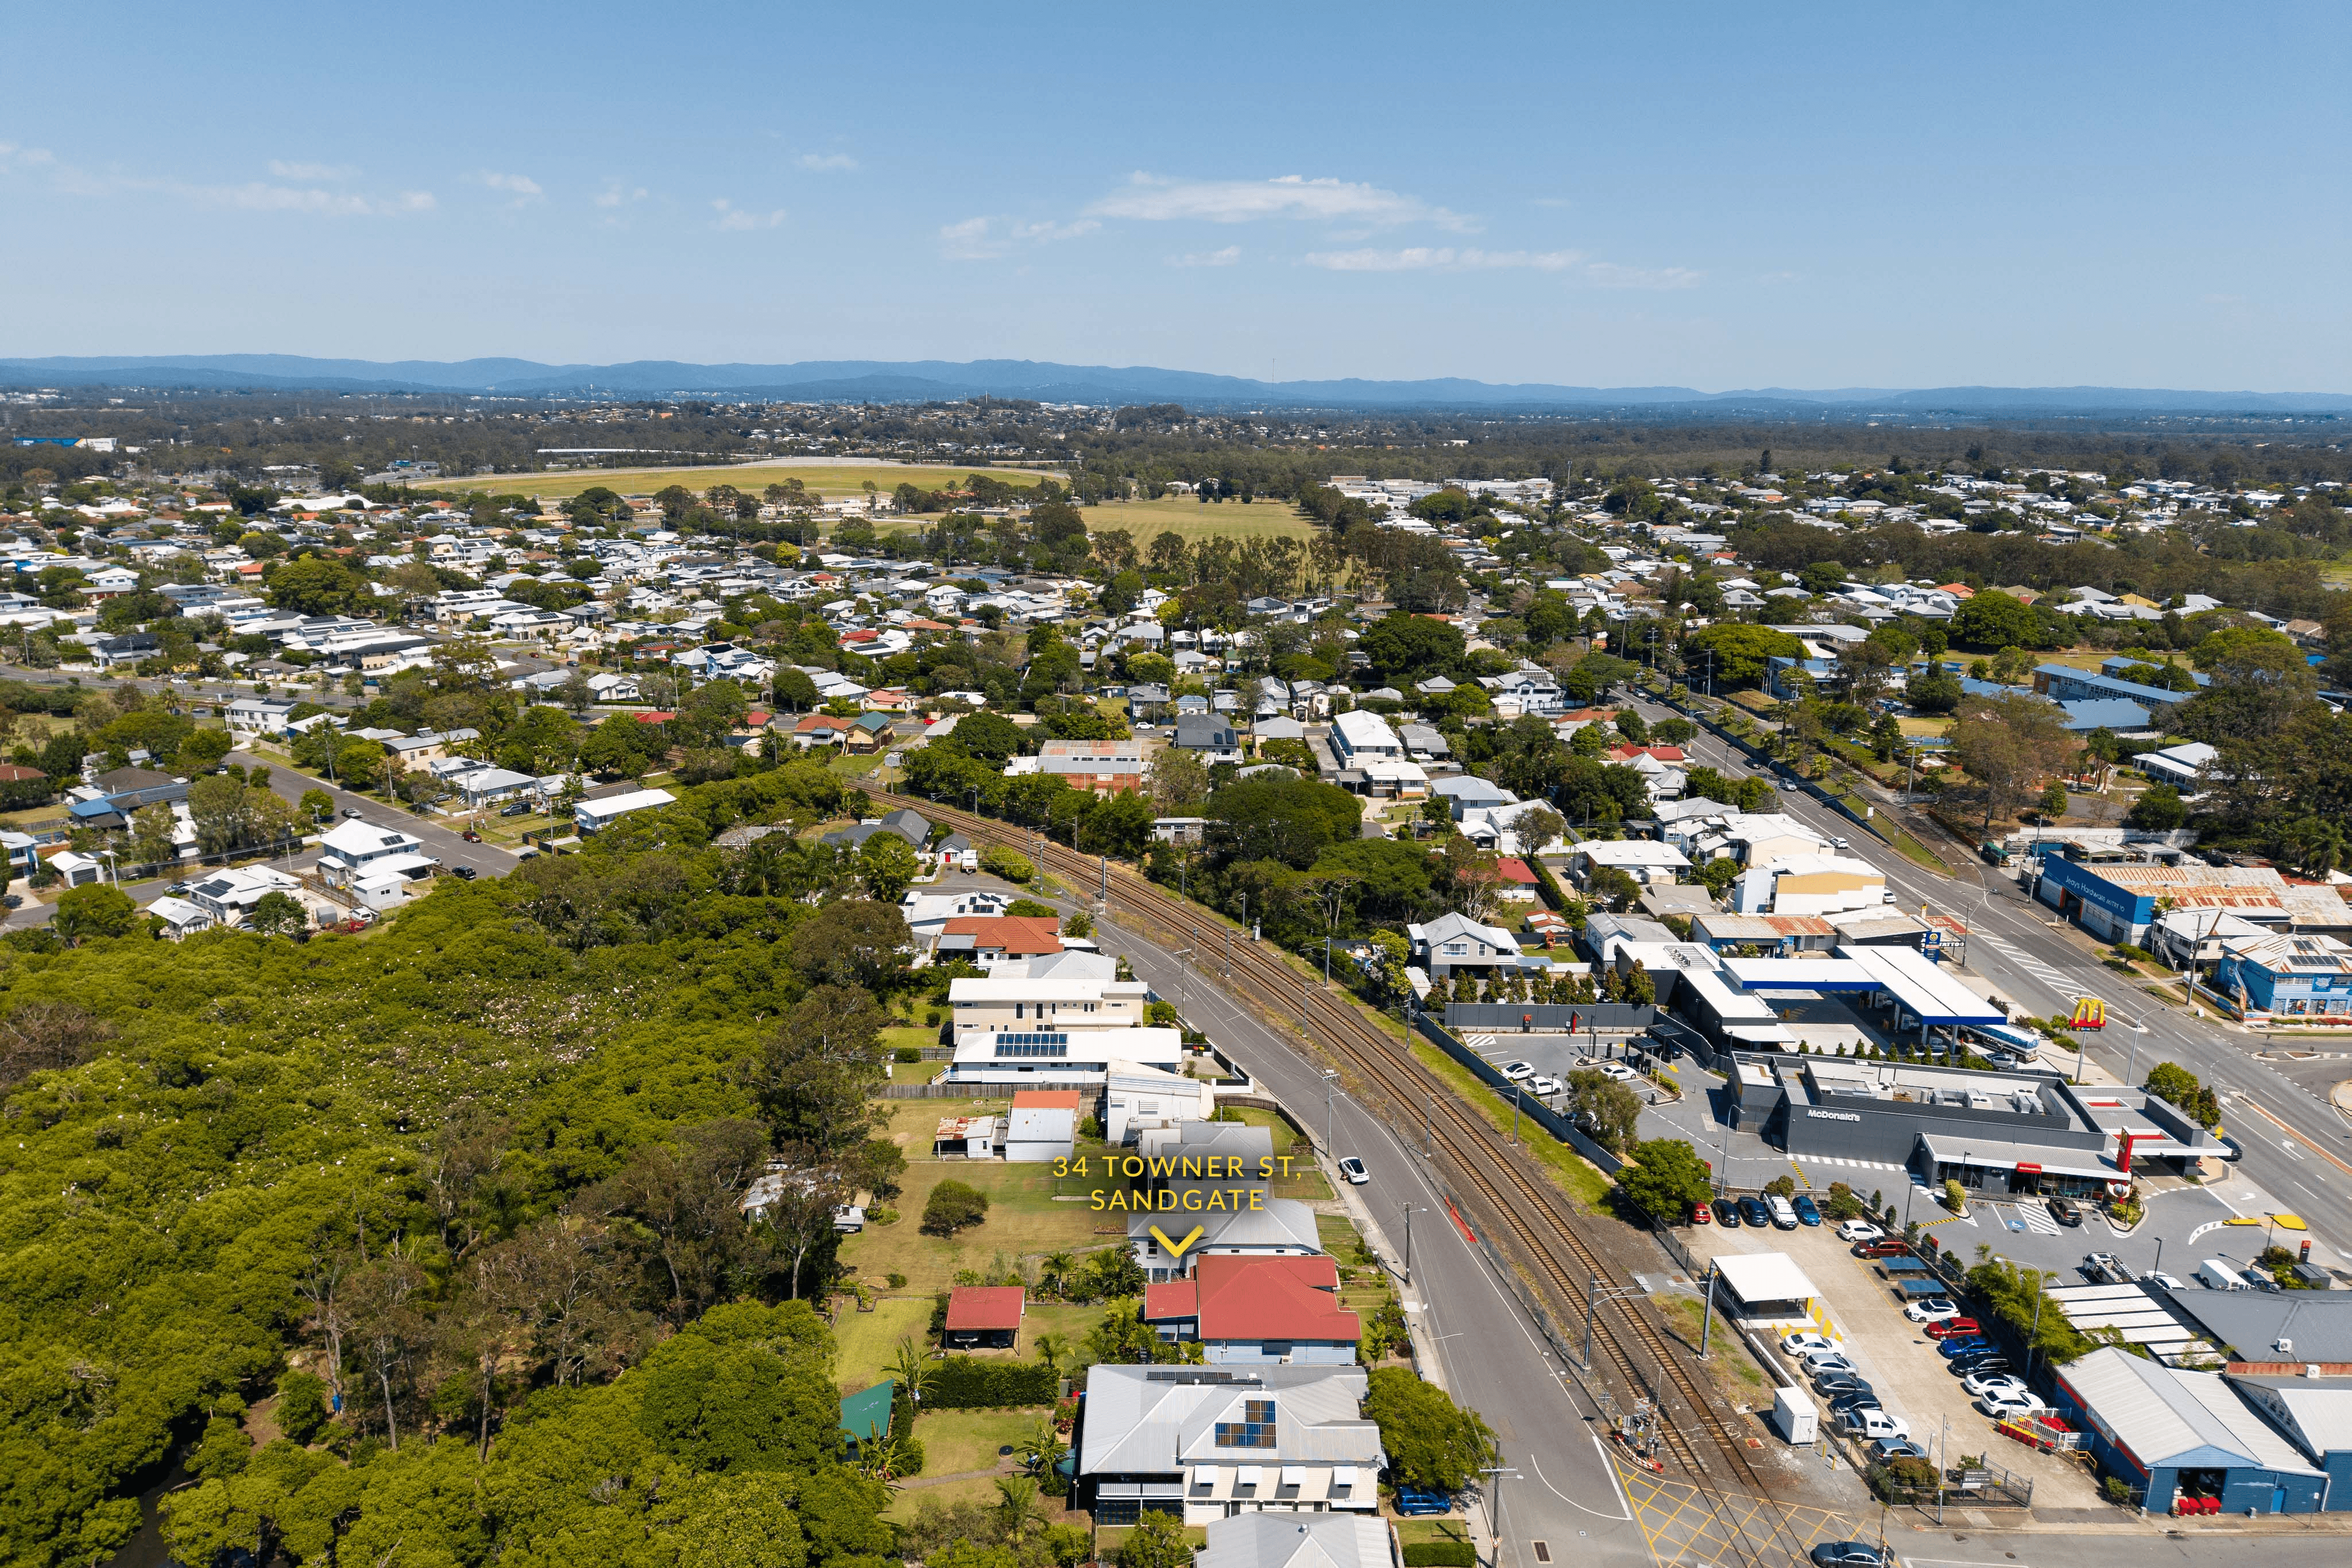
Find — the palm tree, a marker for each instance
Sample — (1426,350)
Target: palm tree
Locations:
(915,1372)
(2318,844)
(1044,1448)
(882,1458)
(1054,1274)
(1054,1350)
(1017,1513)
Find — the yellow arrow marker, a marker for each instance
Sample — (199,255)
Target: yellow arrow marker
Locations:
(1175,1248)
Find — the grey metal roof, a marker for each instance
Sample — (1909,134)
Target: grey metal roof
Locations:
(2318,1323)
(1150,1420)
(1296,1540)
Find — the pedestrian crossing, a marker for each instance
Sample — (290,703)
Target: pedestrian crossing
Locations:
(2036,1217)
(1850,1164)
(2033,966)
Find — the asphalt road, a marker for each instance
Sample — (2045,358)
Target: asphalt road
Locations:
(2297,1147)
(444,845)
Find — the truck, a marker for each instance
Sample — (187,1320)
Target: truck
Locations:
(2215,1274)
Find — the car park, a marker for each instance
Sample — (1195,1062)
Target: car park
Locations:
(1956,1328)
(1809,1213)
(1934,1308)
(1352,1171)
(1752,1212)
(1783,1212)
(1514,1071)
(1805,1341)
(1727,1213)
(2064,1210)
(1859,1230)
(1851,1554)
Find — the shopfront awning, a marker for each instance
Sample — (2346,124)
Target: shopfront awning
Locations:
(2033,1159)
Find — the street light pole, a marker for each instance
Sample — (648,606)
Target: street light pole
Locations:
(1408,1244)
(1330,1087)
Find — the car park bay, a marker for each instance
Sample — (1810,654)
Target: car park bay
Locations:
(1896,1357)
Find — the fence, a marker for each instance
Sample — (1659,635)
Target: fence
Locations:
(1549,1016)
(1536,1111)
(942,1092)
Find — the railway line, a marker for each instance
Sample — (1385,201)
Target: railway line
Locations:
(1537,1216)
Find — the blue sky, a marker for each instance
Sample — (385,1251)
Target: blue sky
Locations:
(1709,195)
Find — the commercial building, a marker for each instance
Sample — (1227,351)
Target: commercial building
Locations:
(2174,1433)
(1998,1131)
(1103,767)
(1766,1289)
(2117,901)
(2267,978)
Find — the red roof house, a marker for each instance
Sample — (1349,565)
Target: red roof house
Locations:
(1246,1309)
(985,1315)
(992,939)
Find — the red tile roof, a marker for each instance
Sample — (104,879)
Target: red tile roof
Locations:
(979,1308)
(1044,1099)
(1237,1297)
(1515,870)
(1015,934)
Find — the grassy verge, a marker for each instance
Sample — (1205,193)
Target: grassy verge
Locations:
(1569,1170)
(1424,1532)
(1108,1538)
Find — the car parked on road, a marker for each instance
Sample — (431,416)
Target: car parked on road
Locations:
(1852,1555)
(350,813)
(1859,1230)
(1352,1171)
(1514,1071)
(1808,1212)
(1956,1328)
(470,836)
(1726,1213)
(1753,1212)
(1804,1342)
(464,872)
(1934,1308)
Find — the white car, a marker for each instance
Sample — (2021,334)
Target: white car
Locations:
(2007,1406)
(1516,1071)
(1352,1170)
(1859,1230)
(1820,1360)
(968,860)
(1805,1341)
(1619,1070)
(2169,1281)
(1876,1425)
(1998,1384)
(1839,843)
(1934,1309)
(1546,1085)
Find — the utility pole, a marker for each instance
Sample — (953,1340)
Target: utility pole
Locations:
(1494,1503)
(1330,1087)
(1707,1312)
(1408,1244)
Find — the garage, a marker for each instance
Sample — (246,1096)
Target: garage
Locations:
(2169,1433)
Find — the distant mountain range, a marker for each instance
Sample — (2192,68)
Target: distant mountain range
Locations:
(917,381)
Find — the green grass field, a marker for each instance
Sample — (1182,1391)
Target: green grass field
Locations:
(865,1342)
(1192,521)
(1023,1220)
(955,1441)
(824,478)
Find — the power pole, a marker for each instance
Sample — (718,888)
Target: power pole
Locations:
(1707,1312)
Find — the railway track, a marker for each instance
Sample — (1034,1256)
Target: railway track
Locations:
(1535,1213)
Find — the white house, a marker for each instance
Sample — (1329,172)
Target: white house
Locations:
(1206,1443)
(180,918)
(259,716)
(1454,942)
(1357,734)
(595,816)
(228,896)
(353,843)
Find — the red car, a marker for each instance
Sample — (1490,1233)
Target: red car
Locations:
(1950,1326)
(1889,1249)
(1702,1215)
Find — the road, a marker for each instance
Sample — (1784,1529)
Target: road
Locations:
(2296,1146)
(447,845)
(1489,1356)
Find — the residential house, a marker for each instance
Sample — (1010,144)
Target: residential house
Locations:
(259,716)
(1358,737)
(1206,1443)
(181,918)
(1258,1311)
(1647,861)
(990,940)
(910,825)
(228,896)
(1103,767)
(355,843)
(1455,941)
(1138,1098)
(1263,1540)
(593,813)
(1063,1020)
(1211,738)
(927,914)
(1042,1125)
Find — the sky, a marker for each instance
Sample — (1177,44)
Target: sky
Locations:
(1725,196)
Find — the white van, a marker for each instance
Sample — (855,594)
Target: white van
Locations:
(968,860)
(2216,1275)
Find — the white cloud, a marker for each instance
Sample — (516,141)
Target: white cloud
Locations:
(257,197)
(615,194)
(310,173)
(1441,258)
(1156,198)
(1608,275)
(733,217)
(986,238)
(1225,257)
(522,187)
(12,155)
(827,160)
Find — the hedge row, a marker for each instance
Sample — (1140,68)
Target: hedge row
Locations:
(967,1383)
(1440,1554)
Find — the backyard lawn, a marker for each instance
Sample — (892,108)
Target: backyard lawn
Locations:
(865,1342)
(955,1441)
(1025,1219)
